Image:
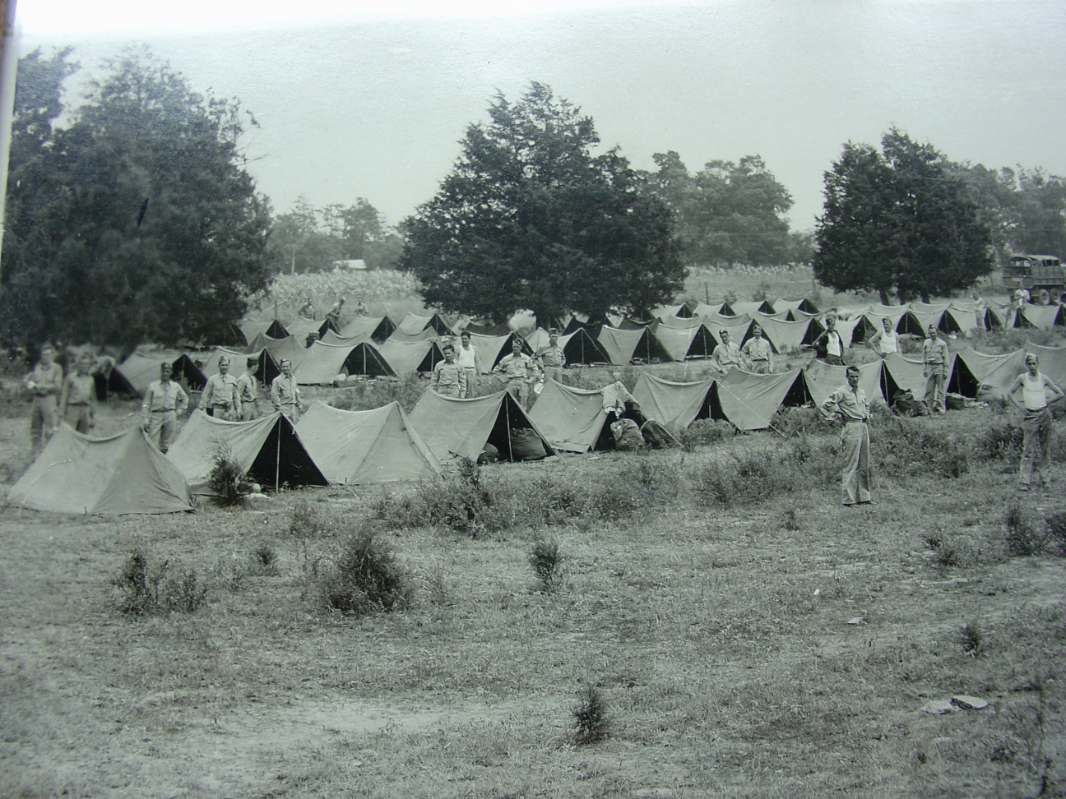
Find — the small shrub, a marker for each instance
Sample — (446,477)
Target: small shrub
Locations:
(1001,440)
(1025,534)
(799,421)
(462,503)
(703,432)
(264,560)
(610,500)
(590,717)
(972,639)
(226,478)
(791,521)
(547,562)
(231,573)
(1056,526)
(312,521)
(947,555)
(436,584)
(366,578)
(151,589)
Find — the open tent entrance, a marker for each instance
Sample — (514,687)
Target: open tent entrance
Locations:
(580,347)
(283,460)
(364,359)
(962,380)
(277,330)
(512,417)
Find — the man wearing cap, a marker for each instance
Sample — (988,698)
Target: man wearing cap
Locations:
(449,378)
(247,391)
(935,357)
(220,397)
(726,355)
(849,406)
(285,393)
(44,382)
(519,370)
(79,391)
(163,402)
(468,359)
(551,358)
(758,352)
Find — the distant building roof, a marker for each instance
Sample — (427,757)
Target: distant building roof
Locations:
(354,263)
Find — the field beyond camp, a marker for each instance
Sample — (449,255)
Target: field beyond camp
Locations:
(746,634)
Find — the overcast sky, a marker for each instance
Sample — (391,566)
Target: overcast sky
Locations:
(372,100)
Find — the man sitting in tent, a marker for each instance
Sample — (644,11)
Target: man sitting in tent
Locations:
(307,310)
(758,352)
(726,355)
(654,434)
(164,402)
(285,393)
(626,431)
(449,378)
(519,370)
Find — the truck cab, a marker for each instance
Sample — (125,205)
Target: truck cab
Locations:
(1042,275)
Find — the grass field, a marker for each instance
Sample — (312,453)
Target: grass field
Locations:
(770,646)
(747,635)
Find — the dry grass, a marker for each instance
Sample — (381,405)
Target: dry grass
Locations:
(718,638)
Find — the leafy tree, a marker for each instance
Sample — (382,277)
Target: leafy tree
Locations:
(898,219)
(138,221)
(530,218)
(1041,213)
(727,212)
(307,239)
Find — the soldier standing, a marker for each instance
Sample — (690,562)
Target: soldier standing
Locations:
(519,370)
(552,359)
(220,397)
(164,401)
(467,358)
(44,382)
(79,391)
(247,392)
(285,393)
(449,378)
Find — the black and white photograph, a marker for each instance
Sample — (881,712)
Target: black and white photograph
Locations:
(635,399)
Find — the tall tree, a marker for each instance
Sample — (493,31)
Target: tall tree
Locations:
(141,221)
(530,217)
(728,212)
(1041,213)
(899,219)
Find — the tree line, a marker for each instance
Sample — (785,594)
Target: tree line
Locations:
(133,216)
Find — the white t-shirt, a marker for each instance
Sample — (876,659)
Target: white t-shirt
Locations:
(832,343)
(466,357)
(888,342)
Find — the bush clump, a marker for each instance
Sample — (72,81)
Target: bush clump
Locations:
(366,577)
(590,717)
(999,441)
(704,432)
(462,503)
(546,559)
(226,479)
(902,446)
(1025,533)
(147,588)
(746,476)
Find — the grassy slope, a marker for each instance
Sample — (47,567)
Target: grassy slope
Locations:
(718,637)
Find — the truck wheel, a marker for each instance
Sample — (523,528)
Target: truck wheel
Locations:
(1043,297)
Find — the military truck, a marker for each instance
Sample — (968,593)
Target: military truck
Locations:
(1043,275)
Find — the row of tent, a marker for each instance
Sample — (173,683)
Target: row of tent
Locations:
(126,474)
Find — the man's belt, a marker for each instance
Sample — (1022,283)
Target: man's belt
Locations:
(162,410)
(77,404)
